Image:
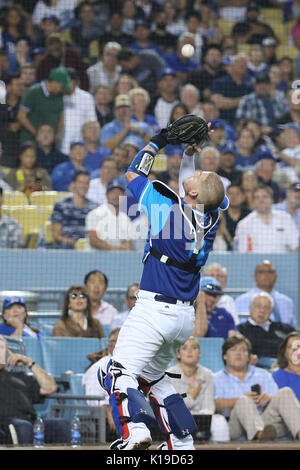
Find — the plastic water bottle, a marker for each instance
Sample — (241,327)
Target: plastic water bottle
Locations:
(41,239)
(38,432)
(75,431)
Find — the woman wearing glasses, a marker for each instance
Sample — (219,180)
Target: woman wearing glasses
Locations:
(76,318)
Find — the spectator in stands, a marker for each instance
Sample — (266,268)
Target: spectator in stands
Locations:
(290,153)
(19,393)
(252,30)
(269,46)
(237,210)
(212,68)
(209,160)
(3,65)
(76,319)
(143,66)
(60,8)
(108,228)
(227,91)
(114,132)
(43,104)
(228,154)
(190,96)
(175,24)
(265,168)
(115,31)
(131,13)
(206,29)
(265,277)
(124,84)
(103,104)
(160,36)
(140,100)
(261,105)
(95,153)
(276,81)
(107,172)
(264,335)
(197,384)
(256,65)
(247,409)
(218,136)
(92,387)
(287,68)
(79,108)
(121,157)
(11,235)
(10,137)
(212,321)
(142,38)
(130,300)
(28,177)
(249,183)
(106,71)
(14,27)
(291,204)
(220,273)
(173,165)
(85,30)
(50,24)
(266,230)
(27,76)
(182,65)
(177,111)
(59,54)
(293,114)
(96,284)
(246,153)
(68,216)
(48,156)
(167,96)
(63,174)
(223,241)
(288,362)
(15,319)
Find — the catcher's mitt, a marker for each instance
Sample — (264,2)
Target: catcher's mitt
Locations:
(188,129)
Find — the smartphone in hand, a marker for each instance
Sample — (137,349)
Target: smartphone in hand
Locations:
(255,388)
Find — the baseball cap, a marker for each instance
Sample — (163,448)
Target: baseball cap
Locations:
(52,18)
(217,123)
(211,286)
(295,186)
(9,301)
(227,60)
(265,154)
(61,76)
(253,6)
(122,100)
(290,125)
(134,140)
(38,50)
(262,78)
(268,42)
(228,147)
(116,183)
(77,142)
(166,71)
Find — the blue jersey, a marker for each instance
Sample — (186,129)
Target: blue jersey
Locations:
(174,235)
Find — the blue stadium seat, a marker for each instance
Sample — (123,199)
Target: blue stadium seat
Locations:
(106,329)
(211,353)
(33,349)
(266,362)
(61,354)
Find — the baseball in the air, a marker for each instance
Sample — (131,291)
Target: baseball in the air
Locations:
(187,50)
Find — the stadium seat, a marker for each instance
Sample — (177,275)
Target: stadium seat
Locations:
(14,198)
(48,232)
(61,354)
(33,349)
(30,217)
(211,353)
(289,51)
(266,362)
(80,245)
(272,15)
(43,198)
(226,26)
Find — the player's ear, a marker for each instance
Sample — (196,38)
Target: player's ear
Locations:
(193,193)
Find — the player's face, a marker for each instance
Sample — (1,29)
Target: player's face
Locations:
(96,286)
(237,357)
(189,353)
(261,310)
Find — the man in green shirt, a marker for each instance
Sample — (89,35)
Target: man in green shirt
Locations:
(43,104)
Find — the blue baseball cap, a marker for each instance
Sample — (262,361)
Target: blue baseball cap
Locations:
(166,71)
(227,60)
(77,142)
(9,301)
(265,154)
(134,140)
(115,183)
(217,124)
(228,147)
(211,286)
(290,125)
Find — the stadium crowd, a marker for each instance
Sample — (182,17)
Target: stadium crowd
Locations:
(88,83)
